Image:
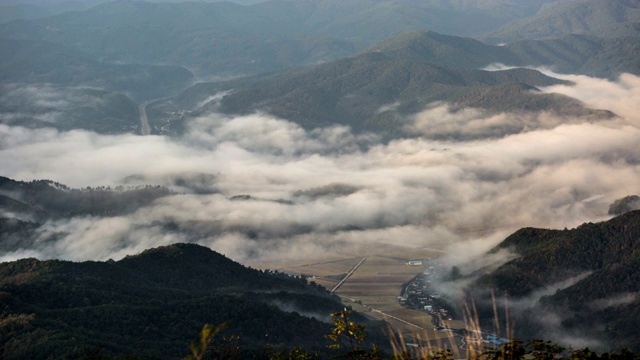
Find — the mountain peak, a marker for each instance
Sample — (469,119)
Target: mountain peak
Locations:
(433,47)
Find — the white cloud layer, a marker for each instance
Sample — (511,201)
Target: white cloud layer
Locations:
(418,192)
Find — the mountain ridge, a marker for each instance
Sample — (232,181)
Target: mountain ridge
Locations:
(350,91)
(595,17)
(151,304)
(592,264)
(200,32)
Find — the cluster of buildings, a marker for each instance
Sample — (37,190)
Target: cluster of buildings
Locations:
(419,294)
(486,338)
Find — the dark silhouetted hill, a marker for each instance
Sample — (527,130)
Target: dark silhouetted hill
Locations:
(44,198)
(152,304)
(589,276)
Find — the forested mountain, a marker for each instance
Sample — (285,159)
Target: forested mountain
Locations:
(48,85)
(581,54)
(106,54)
(589,276)
(408,56)
(43,198)
(437,48)
(152,305)
(352,91)
(570,54)
(610,18)
(227,38)
(35,9)
(43,62)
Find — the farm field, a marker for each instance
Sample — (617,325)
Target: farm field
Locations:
(372,289)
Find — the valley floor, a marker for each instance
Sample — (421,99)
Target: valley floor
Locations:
(371,282)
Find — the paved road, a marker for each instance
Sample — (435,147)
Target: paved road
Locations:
(145,129)
(349,274)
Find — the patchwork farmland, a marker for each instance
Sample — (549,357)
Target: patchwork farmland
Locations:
(374,285)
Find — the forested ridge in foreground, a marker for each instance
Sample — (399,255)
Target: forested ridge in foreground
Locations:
(152,304)
(587,278)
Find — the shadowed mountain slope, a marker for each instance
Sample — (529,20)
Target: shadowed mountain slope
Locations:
(589,277)
(40,199)
(611,18)
(352,91)
(152,304)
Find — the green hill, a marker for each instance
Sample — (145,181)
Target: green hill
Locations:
(602,301)
(151,305)
(352,91)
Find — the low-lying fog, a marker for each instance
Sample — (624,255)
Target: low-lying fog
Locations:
(328,189)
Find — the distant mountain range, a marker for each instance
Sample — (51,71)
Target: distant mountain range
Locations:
(142,50)
(569,54)
(610,18)
(43,62)
(226,38)
(153,304)
(402,75)
(33,9)
(412,69)
(588,278)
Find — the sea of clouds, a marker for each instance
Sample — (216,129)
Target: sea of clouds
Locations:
(332,190)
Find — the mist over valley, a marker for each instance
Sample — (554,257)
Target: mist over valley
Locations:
(337,140)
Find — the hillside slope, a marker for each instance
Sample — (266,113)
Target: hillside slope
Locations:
(40,199)
(590,275)
(25,61)
(569,54)
(224,38)
(611,18)
(152,304)
(373,91)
